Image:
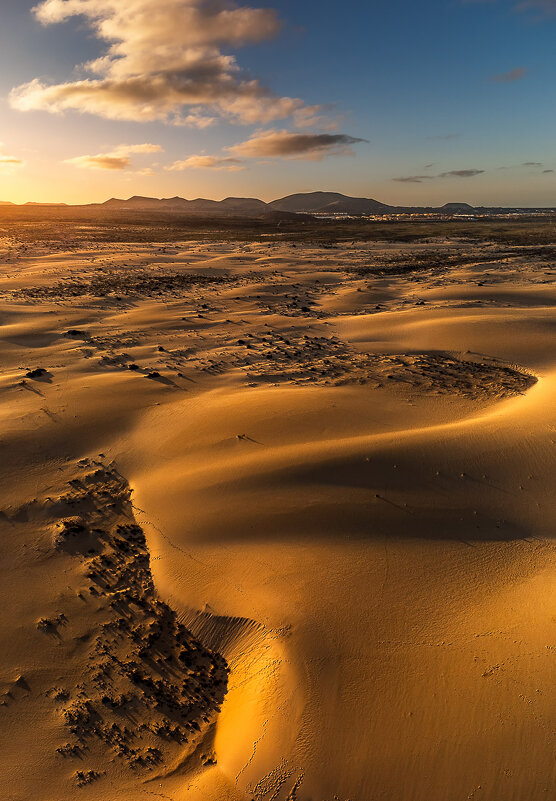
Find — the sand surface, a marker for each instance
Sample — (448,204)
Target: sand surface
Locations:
(277,522)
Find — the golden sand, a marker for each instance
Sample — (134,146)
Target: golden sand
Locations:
(277,524)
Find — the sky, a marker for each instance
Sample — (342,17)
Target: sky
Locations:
(412,103)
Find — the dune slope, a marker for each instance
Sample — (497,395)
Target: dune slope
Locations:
(278,522)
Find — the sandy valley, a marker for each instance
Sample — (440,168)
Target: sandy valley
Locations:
(277,519)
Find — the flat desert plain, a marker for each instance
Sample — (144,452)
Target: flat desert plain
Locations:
(277,519)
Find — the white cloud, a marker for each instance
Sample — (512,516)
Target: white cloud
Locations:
(164,61)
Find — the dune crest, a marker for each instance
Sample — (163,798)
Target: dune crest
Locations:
(276,516)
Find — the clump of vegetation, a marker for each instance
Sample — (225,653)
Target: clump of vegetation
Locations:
(433,260)
(124,283)
(84,777)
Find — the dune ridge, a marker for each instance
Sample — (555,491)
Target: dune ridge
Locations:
(323,475)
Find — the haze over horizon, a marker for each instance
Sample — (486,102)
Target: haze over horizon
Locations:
(102,99)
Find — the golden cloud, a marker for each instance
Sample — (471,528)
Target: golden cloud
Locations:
(117,159)
(9,163)
(201,162)
(164,61)
(292,145)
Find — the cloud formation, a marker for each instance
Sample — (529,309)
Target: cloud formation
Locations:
(201,162)
(546,6)
(418,179)
(117,159)
(414,179)
(461,173)
(164,61)
(8,163)
(511,76)
(292,145)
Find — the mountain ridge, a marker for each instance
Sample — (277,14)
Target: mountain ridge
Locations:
(316,203)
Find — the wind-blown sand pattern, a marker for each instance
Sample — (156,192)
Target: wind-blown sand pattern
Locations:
(144,665)
(277,520)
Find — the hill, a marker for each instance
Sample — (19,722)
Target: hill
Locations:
(231,205)
(317,203)
(329,203)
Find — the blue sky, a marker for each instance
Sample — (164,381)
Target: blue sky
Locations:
(453,97)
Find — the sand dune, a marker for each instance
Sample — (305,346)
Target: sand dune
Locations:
(278,522)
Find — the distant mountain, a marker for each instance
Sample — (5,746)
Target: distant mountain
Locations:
(231,205)
(332,203)
(454,208)
(329,203)
(244,204)
(137,202)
